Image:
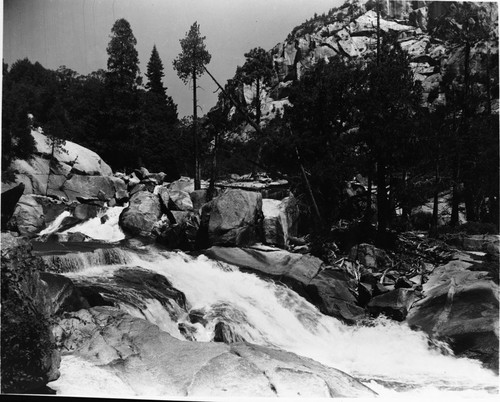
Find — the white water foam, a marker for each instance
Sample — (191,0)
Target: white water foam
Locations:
(109,230)
(56,223)
(266,313)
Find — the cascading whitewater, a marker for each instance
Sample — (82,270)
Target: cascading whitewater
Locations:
(266,313)
(103,227)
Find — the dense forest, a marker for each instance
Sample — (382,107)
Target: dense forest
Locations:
(364,118)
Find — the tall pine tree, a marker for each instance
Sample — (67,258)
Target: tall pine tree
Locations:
(190,64)
(160,116)
(124,127)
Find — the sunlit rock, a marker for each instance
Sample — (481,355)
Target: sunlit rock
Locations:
(141,214)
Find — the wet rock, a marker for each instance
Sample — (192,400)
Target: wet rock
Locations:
(224,333)
(394,304)
(141,214)
(233,218)
(86,211)
(279,263)
(461,306)
(329,290)
(144,355)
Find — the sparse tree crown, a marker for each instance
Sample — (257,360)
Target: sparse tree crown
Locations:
(194,55)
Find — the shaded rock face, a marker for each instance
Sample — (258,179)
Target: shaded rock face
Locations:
(394,304)
(460,306)
(28,216)
(33,213)
(233,218)
(9,201)
(142,213)
(29,357)
(62,294)
(153,363)
(330,291)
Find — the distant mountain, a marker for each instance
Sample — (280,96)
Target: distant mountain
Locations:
(432,32)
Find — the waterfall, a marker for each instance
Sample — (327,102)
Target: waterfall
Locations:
(103,227)
(56,223)
(386,355)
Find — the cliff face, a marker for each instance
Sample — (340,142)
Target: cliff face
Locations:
(431,33)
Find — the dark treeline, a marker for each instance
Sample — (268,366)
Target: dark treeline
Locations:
(128,122)
(369,119)
(350,118)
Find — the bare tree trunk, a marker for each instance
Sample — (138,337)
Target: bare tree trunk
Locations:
(197,182)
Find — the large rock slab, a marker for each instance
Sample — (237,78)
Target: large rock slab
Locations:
(461,306)
(275,262)
(92,187)
(142,213)
(233,218)
(330,292)
(81,160)
(153,363)
(394,304)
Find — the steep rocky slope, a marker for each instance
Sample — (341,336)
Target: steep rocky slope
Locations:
(427,30)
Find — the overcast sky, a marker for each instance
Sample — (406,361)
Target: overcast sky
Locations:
(75,33)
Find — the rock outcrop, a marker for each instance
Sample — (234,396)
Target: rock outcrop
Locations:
(153,363)
(64,171)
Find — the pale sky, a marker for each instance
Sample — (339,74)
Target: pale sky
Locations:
(75,33)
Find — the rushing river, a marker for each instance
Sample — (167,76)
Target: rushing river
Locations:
(387,356)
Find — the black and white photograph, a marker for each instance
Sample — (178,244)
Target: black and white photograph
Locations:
(219,200)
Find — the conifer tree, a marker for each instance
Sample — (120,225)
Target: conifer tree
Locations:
(190,64)
(155,74)
(123,60)
(123,120)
